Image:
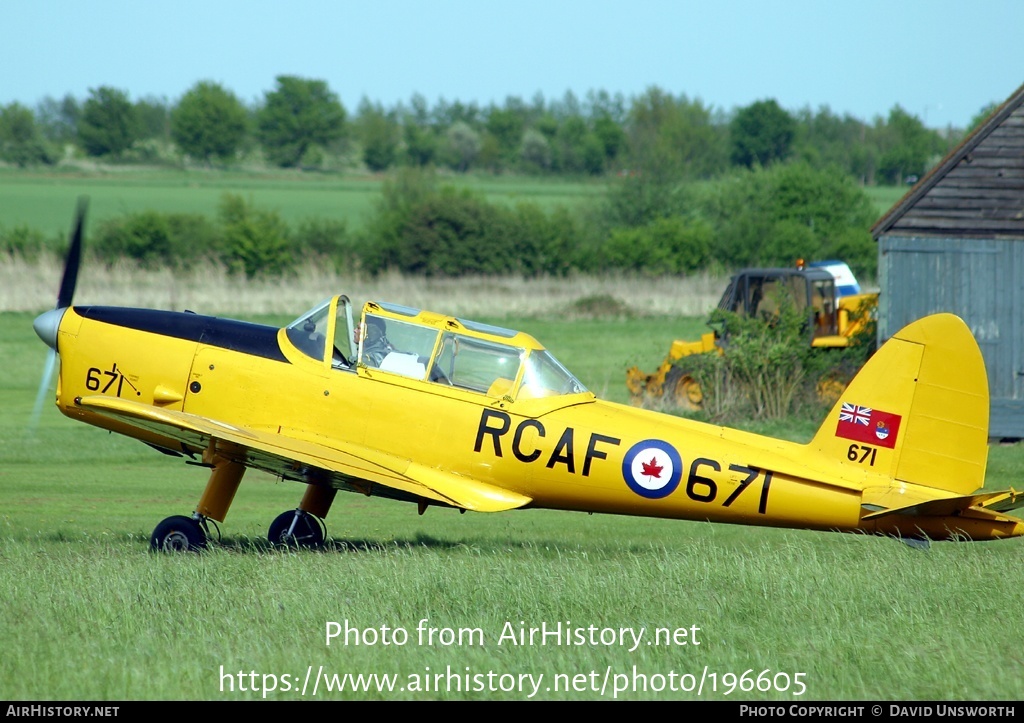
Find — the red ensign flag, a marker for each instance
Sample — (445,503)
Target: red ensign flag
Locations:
(870,426)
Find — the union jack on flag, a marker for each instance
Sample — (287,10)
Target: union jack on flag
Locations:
(853,413)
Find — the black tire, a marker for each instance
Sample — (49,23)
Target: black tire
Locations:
(308,532)
(178,534)
(682,390)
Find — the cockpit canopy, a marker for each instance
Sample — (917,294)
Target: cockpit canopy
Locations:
(432,348)
(330,319)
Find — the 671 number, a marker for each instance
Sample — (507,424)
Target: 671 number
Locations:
(861,453)
(94,380)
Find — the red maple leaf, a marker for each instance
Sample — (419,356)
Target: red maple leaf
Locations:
(651,469)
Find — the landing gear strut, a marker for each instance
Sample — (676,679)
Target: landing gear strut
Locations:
(304,527)
(189,534)
(296,528)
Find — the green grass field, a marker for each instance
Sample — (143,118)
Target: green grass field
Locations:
(885,197)
(89,614)
(45,200)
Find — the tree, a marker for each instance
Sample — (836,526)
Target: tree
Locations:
(420,144)
(420,139)
(569,146)
(296,116)
(761,134)
(453,233)
(672,138)
(153,117)
(209,122)
(535,150)
(775,215)
(108,125)
(378,134)
(670,141)
(21,142)
(506,126)
(448,114)
(982,115)
(825,139)
(58,119)
(463,146)
(907,146)
(611,137)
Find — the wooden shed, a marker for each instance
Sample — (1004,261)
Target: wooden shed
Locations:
(955,242)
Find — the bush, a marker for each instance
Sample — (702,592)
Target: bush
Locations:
(542,244)
(326,240)
(451,234)
(27,243)
(769,371)
(144,237)
(674,245)
(194,239)
(771,217)
(255,242)
(155,239)
(421,228)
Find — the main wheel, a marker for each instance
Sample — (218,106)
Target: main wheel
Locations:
(178,534)
(306,532)
(682,390)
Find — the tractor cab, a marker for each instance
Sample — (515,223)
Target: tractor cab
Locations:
(763,293)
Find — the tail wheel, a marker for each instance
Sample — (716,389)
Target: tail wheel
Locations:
(683,390)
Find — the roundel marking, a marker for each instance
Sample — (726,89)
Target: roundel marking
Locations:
(652,468)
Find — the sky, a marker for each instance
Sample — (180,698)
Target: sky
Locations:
(940,60)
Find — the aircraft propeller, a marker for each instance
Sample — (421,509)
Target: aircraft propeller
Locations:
(74,257)
(47,324)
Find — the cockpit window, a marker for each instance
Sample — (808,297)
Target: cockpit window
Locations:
(309,333)
(544,376)
(476,364)
(396,346)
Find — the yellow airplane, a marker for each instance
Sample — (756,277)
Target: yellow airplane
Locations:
(434,410)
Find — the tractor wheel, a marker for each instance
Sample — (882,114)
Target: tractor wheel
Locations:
(682,390)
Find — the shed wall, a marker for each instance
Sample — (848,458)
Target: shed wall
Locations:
(980,280)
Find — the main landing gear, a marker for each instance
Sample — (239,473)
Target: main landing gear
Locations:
(296,528)
(179,534)
(302,527)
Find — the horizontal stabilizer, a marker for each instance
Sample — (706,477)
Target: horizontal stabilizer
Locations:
(990,501)
(1004,501)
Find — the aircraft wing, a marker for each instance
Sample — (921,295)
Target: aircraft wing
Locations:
(311,461)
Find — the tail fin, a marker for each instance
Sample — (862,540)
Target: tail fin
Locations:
(917,412)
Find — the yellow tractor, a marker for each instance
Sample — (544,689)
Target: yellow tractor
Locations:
(827,291)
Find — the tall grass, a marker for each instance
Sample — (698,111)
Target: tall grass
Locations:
(32,286)
(101,619)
